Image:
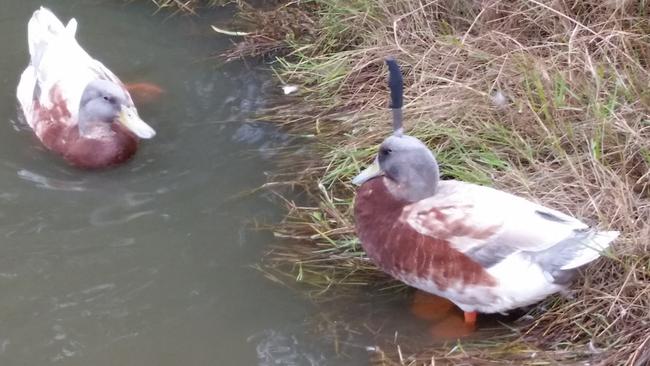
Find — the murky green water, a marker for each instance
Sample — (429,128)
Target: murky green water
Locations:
(146,264)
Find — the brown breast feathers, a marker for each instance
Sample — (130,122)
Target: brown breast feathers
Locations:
(394,246)
(62,137)
(101,153)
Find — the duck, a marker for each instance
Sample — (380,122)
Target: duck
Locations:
(75,105)
(483,249)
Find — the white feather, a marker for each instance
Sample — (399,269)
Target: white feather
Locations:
(25,93)
(42,29)
(516,220)
(592,249)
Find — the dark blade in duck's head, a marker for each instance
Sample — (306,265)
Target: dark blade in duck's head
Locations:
(396,86)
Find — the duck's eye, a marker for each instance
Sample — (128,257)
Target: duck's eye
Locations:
(385,151)
(109,99)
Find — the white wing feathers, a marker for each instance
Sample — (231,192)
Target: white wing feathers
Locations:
(591,248)
(490,225)
(42,29)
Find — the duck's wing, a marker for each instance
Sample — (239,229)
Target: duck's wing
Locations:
(44,31)
(55,74)
(25,93)
(490,225)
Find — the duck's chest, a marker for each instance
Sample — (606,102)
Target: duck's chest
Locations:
(404,253)
(100,153)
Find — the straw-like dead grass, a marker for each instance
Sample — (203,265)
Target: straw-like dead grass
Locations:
(546,99)
(187,6)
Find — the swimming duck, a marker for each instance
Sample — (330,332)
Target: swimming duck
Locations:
(76,106)
(485,250)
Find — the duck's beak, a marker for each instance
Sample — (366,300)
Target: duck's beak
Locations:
(130,119)
(370,172)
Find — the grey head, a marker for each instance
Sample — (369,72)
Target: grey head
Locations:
(408,164)
(104,102)
(101,102)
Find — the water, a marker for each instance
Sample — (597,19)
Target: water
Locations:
(148,263)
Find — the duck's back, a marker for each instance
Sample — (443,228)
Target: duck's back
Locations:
(58,66)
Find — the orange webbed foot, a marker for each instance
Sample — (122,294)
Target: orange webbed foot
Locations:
(430,307)
(470,318)
(144,92)
(448,321)
(454,326)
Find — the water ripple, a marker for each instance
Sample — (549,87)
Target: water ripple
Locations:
(51,183)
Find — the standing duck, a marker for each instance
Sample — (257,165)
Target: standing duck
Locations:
(483,249)
(76,106)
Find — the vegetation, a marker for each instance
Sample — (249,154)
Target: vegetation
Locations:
(187,6)
(549,100)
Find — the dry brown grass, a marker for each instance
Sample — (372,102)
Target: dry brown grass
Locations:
(187,6)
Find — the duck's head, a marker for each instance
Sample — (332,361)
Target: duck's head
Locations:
(104,102)
(408,165)
(410,169)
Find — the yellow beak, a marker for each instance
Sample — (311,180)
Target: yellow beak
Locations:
(129,118)
(370,172)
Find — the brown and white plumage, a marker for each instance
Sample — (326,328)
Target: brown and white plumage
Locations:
(76,106)
(484,249)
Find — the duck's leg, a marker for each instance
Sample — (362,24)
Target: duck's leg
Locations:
(447,322)
(453,326)
(470,318)
(430,307)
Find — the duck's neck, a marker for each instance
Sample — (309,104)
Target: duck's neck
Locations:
(100,151)
(414,184)
(95,130)
(376,195)
(376,211)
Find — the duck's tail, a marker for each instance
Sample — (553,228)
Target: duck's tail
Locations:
(43,29)
(594,244)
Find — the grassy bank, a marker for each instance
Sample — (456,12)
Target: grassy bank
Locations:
(185,6)
(549,100)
